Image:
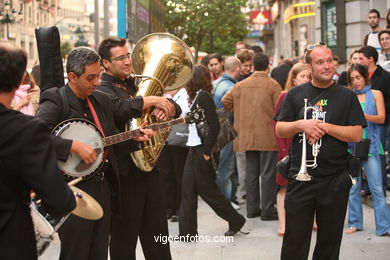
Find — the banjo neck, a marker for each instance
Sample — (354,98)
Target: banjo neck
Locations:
(121,137)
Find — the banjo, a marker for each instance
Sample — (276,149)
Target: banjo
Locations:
(85,131)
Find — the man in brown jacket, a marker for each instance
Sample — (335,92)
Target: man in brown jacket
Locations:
(252,102)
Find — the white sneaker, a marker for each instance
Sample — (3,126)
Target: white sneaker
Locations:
(235,206)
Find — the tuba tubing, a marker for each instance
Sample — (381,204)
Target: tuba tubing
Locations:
(161,62)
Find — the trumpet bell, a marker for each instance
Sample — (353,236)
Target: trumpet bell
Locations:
(303,177)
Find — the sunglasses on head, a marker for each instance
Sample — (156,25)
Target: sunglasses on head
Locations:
(311,47)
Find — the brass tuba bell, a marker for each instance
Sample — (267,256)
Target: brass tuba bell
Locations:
(161,62)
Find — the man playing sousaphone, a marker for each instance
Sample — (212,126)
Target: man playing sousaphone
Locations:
(27,161)
(80,238)
(326,192)
(142,211)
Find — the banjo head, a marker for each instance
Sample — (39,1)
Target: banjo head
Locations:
(86,132)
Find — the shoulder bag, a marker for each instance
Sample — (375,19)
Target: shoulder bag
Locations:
(226,133)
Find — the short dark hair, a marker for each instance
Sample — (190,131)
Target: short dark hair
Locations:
(79,58)
(260,62)
(13,63)
(255,48)
(375,11)
(368,52)
(245,55)
(216,56)
(363,70)
(382,32)
(107,44)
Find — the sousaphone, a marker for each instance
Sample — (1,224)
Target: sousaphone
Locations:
(161,62)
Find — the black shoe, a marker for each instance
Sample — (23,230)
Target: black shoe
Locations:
(364,193)
(269,217)
(233,229)
(254,215)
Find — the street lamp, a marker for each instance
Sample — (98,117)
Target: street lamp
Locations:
(9,16)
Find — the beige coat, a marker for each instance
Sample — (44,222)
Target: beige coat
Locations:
(252,102)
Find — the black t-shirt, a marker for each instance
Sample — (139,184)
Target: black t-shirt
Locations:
(339,107)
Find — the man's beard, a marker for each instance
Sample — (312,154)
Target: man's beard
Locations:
(374,26)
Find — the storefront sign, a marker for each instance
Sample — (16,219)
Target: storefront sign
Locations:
(299,10)
(260,17)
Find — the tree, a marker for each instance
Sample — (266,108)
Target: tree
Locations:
(65,48)
(208,25)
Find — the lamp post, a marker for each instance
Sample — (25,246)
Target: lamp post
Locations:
(9,16)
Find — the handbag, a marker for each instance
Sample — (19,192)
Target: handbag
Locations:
(283,166)
(178,135)
(362,149)
(226,133)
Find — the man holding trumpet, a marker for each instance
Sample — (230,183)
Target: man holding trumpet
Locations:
(338,120)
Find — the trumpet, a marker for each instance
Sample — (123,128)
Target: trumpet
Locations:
(303,175)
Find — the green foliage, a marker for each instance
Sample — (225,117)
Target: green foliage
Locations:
(65,49)
(208,25)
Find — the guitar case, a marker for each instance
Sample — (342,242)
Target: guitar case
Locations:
(50,60)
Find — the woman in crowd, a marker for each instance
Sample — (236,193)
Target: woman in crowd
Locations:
(26,99)
(199,177)
(374,110)
(353,58)
(384,56)
(297,76)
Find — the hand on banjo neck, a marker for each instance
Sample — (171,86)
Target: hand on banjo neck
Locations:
(87,151)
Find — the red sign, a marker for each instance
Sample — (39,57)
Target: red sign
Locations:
(260,17)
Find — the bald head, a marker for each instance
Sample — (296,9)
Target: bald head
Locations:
(13,62)
(232,63)
(232,67)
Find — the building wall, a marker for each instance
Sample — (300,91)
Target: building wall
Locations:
(356,26)
(290,40)
(22,30)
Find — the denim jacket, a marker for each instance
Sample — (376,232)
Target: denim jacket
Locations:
(220,87)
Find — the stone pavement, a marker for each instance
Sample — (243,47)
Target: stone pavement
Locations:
(261,243)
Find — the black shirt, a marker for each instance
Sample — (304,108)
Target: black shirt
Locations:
(380,81)
(117,88)
(339,107)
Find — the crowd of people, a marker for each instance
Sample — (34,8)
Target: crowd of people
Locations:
(268,108)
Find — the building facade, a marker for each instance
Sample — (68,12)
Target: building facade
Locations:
(341,24)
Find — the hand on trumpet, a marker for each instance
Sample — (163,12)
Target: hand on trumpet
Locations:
(314,129)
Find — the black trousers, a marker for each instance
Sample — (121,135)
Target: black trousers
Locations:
(88,239)
(171,164)
(200,179)
(328,200)
(142,214)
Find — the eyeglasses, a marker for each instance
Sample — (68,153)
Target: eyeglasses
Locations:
(311,47)
(122,57)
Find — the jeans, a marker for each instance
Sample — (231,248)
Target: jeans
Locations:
(372,168)
(225,170)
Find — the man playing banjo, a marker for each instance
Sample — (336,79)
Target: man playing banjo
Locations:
(80,238)
(27,161)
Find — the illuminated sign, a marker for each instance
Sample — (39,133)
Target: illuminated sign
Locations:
(260,17)
(299,10)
